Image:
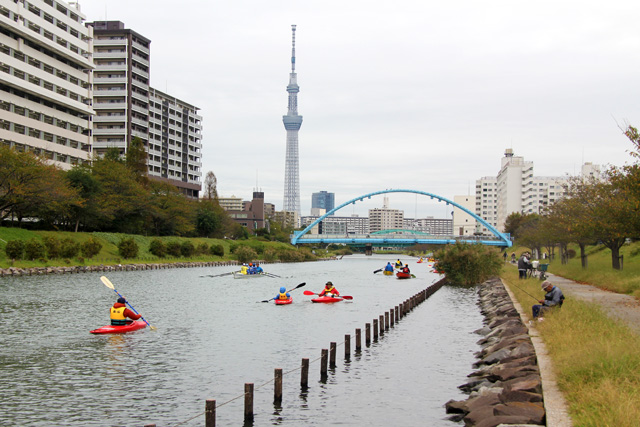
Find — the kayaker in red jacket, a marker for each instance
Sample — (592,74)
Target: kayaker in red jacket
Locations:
(120,313)
(405,269)
(329,290)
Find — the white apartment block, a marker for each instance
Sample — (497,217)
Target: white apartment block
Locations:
(342,224)
(463,223)
(385,219)
(45,91)
(175,142)
(232,203)
(486,202)
(430,225)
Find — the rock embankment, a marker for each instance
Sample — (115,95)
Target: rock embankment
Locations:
(36,271)
(506,388)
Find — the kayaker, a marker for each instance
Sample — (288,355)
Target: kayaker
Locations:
(120,313)
(405,269)
(388,267)
(329,291)
(243,269)
(398,264)
(283,295)
(259,269)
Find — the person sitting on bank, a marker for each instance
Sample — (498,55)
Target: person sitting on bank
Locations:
(553,298)
(283,294)
(329,291)
(388,267)
(405,269)
(120,313)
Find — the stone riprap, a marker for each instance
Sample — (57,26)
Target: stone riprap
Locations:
(36,271)
(506,387)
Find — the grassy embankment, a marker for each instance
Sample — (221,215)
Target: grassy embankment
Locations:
(109,253)
(596,358)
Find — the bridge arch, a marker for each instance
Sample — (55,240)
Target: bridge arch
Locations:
(503,237)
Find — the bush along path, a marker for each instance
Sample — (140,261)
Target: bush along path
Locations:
(506,388)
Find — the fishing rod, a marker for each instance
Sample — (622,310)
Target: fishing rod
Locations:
(527,293)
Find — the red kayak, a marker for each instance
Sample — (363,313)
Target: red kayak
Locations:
(120,329)
(284,301)
(401,275)
(327,299)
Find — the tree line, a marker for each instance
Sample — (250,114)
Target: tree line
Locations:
(603,210)
(112,194)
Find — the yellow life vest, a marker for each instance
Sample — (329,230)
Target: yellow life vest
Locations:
(243,269)
(283,296)
(117,316)
(329,291)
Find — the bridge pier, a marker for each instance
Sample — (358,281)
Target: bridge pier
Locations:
(368,250)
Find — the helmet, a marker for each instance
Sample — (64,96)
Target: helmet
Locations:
(282,289)
(121,300)
(329,284)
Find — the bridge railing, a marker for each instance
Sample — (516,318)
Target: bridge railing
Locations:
(309,236)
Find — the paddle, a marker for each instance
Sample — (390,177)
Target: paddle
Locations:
(219,275)
(340,296)
(378,270)
(299,286)
(272,275)
(109,285)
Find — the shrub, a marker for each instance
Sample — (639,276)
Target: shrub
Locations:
(187,249)
(571,253)
(14,249)
(69,248)
(467,264)
(53,247)
(202,249)
(34,249)
(90,248)
(217,250)
(173,248)
(270,255)
(245,254)
(158,248)
(128,248)
(289,255)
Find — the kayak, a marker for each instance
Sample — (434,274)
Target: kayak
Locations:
(120,329)
(401,275)
(327,299)
(238,275)
(284,301)
(387,273)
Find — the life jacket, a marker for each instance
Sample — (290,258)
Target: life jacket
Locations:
(243,269)
(117,316)
(398,264)
(283,296)
(326,291)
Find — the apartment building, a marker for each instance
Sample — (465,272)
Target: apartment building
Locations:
(430,225)
(463,223)
(45,90)
(487,202)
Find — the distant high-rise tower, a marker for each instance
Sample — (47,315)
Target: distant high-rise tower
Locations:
(292,122)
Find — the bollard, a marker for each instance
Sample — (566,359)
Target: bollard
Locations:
(332,355)
(391,322)
(347,346)
(367,331)
(381,325)
(375,329)
(248,401)
(386,320)
(277,392)
(323,363)
(210,413)
(304,376)
(396,312)
(358,340)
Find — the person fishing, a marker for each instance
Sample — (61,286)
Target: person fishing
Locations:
(120,313)
(553,298)
(329,291)
(283,294)
(388,267)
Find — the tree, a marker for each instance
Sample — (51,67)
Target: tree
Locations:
(170,212)
(210,186)
(86,211)
(136,160)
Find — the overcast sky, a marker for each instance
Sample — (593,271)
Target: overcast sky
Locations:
(407,94)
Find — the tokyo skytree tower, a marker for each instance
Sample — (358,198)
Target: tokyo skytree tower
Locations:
(292,122)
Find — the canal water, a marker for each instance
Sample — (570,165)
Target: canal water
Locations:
(214,335)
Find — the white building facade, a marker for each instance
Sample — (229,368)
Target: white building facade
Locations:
(45,88)
(463,223)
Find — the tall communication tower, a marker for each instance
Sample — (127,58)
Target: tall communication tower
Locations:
(292,122)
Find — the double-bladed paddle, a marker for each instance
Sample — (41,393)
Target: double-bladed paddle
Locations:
(338,296)
(299,286)
(109,285)
(220,275)
(378,270)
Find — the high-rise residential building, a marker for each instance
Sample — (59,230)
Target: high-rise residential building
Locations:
(175,142)
(463,223)
(127,106)
(430,225)
(351,224)
(45,90)
(385,218)
(292,122)
(323,200)
(487,202)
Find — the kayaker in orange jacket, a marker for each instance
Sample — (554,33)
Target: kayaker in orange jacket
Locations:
(119,313)
(329,290)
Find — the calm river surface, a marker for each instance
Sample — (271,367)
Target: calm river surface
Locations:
(214,336)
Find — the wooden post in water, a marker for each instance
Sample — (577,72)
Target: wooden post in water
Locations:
(396,312)
(210,413)
(381,325)
(277,392)
(358,340)
(367,333)
(304,376)
(391,317)
(386,320)
(332,355)
(347,347)
(323,363)
(248,401)
(375,329)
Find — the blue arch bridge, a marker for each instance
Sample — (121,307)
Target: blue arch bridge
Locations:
(400,238)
